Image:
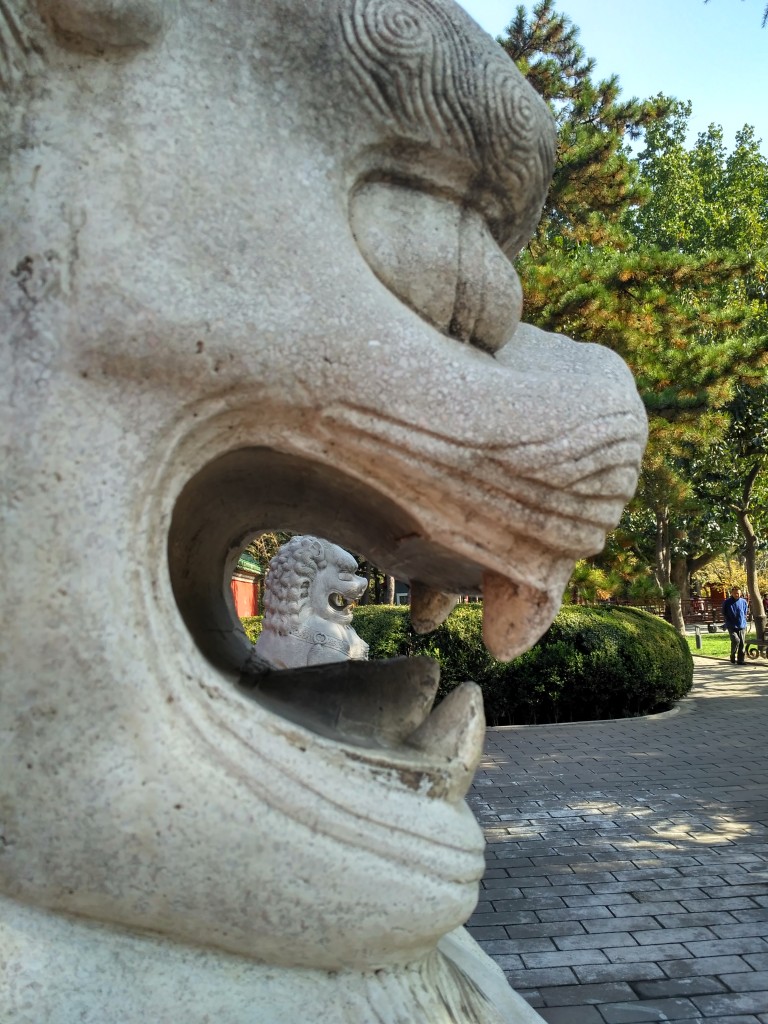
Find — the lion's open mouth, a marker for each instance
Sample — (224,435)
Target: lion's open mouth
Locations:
(378,712)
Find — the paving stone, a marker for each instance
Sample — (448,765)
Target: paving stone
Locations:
(724,947)
(622,924)
(648,1010)
(532,996)
(697,920)
(594,940)
(594,973)
(527,944)
(511,913)
(664,935)
(756,981)
(731,931)
(734,891)
(649,909)
(672,893)
(742,903)
(755,914)
(737,1019)
(593,900)
(546,899)
(510,891)
(640,885)
(706,965)
(652,836)
(556,887)
(575,995)
(520,931)
(489,932)
(682,986)
(571,1015)
(542,977)
(574,914)
(509,961)
(564,958)
(636,954)
(732,1002)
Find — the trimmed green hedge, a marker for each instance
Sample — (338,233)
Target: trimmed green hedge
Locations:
(592,663)
(252,627)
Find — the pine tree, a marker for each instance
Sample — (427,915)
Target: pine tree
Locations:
(608,265)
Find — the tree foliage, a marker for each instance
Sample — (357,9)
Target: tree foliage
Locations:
(662,255)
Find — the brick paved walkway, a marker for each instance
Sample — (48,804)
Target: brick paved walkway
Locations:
(627,870)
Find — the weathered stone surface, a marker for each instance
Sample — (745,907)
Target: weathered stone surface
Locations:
(250,280)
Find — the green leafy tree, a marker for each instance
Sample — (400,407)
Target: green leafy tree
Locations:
(733,475)
(629,255)
(705,199)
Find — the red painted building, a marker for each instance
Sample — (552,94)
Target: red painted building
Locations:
(245,586)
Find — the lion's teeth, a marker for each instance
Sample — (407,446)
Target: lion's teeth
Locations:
(514,616)
(455,730)
(430,608)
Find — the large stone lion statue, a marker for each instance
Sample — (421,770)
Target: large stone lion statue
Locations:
(257,272)
(310,589)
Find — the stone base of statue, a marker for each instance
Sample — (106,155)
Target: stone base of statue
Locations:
(68,970)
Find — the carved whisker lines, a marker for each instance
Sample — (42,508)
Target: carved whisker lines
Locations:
(535,494)
(590,437)
(434,989)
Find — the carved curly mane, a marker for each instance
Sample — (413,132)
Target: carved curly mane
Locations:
(290,575)
(310,588)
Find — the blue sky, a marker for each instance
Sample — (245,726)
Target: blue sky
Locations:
(715,55)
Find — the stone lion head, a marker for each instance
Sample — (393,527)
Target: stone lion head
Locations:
(257,273)
(310,577)
(310,589)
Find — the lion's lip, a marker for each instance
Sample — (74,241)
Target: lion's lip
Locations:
(382,711)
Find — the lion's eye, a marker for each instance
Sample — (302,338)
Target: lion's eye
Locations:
(346,577)
(336,601)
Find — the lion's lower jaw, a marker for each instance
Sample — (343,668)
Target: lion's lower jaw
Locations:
(66,969)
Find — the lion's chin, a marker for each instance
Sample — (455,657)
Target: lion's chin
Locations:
(382,713)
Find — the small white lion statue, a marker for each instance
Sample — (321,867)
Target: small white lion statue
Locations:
(310,589)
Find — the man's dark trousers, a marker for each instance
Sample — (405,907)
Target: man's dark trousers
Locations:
(738,641)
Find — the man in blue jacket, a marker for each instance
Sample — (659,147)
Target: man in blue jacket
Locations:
(735,618)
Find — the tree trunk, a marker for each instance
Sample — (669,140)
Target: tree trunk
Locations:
(678,577)
(365,570)
(750,553)
(673,607)
(663,567)
(390,598)
(679,580)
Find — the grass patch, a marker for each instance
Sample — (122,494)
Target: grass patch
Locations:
(715,645)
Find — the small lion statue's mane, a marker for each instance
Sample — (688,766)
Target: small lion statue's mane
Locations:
(290,576)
